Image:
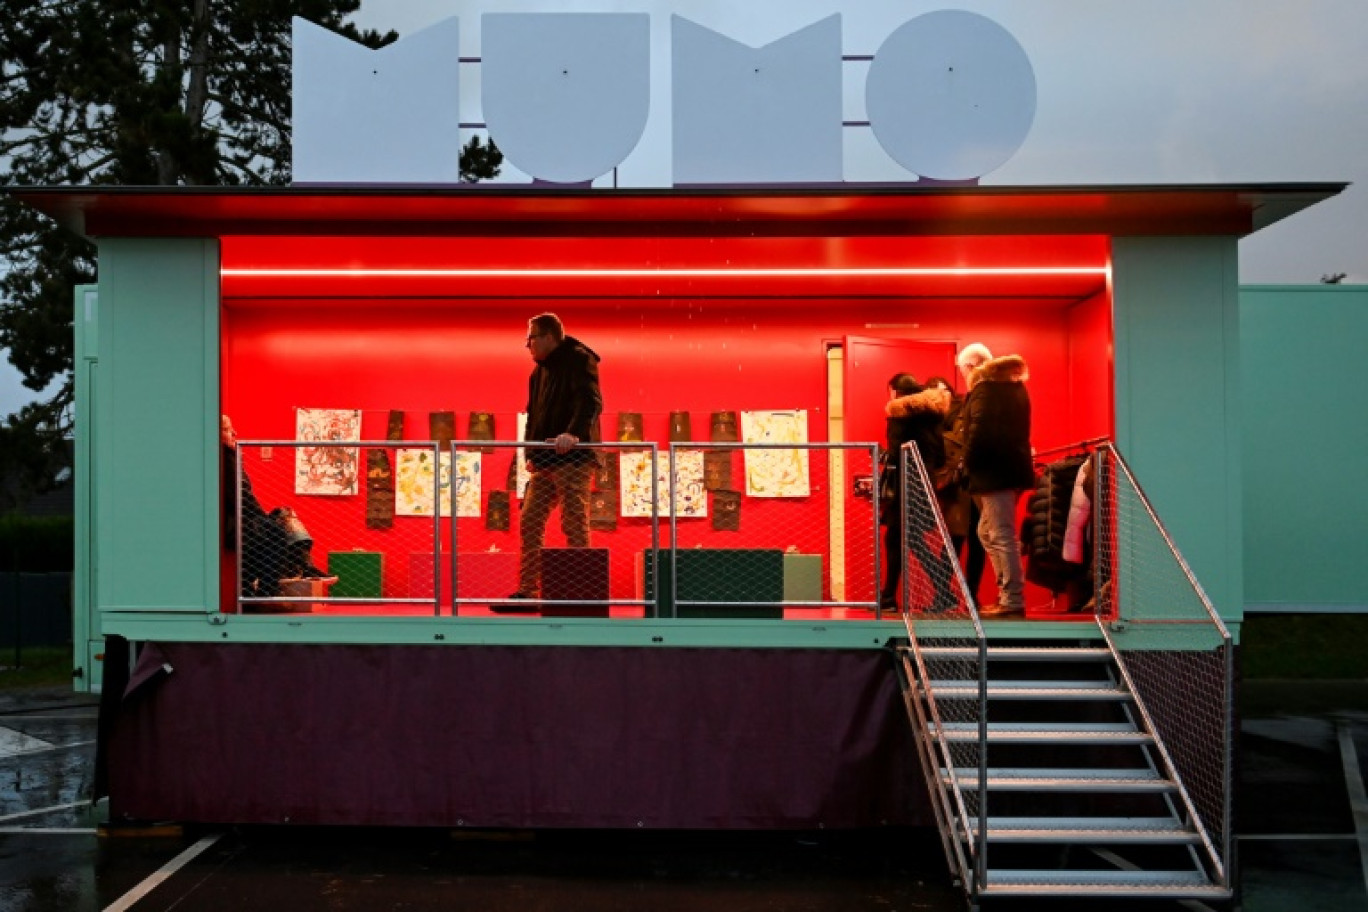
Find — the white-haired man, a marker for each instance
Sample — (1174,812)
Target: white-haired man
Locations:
(997,461)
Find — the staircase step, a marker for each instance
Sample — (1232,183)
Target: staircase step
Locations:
(1031,690)
(1110,830)
(1047,732)
(1020,653)
(1112,884)
(1031,779)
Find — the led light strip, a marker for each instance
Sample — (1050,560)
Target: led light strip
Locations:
(672,273)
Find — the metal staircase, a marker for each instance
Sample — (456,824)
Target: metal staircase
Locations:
(1094,766)
(1080,795)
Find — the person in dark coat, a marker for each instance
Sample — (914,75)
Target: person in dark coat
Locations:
(997,463)
(958,508)
(563,407)
(913,415)
(263,541)
(275,545)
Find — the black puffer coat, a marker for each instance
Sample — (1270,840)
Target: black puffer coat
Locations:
(563,397)
(997,427)
(1046,524)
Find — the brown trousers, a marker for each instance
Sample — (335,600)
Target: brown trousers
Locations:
(568,486)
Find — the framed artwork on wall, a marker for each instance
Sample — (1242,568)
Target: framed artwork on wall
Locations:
(777,472)
(634,482)
(415,475)
(327,470)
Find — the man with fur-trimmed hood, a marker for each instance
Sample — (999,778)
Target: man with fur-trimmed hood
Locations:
(997,461)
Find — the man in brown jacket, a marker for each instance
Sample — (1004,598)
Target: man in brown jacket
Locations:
(563,407)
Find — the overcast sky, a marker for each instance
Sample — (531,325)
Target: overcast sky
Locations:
(1156,91)
(1128,92)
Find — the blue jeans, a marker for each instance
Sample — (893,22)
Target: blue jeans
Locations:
(997,531)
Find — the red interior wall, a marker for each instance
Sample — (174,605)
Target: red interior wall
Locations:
(697,355)
(1090,369)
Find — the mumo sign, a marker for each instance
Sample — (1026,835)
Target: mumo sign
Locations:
(950,95)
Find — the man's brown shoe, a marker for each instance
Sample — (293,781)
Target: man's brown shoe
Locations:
(997,609)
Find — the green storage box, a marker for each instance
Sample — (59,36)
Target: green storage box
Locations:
(359,573)
(802,577)
(723,578)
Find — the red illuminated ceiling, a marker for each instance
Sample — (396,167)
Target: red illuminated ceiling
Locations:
(777,242)
(788,267)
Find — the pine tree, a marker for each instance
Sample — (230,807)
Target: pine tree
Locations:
(480,161)
(135,92)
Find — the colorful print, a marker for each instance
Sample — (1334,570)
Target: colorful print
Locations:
(327,470)
(776,472)
(634,479)
(414,480)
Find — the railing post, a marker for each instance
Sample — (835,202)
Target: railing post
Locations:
(1228,843)
(905,580)
(1097,519)
(655,533)
(237,531)
(674,520)
(879,458)
(437,541)
(981,860)
(437,526)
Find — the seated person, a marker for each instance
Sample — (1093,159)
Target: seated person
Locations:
(275,545)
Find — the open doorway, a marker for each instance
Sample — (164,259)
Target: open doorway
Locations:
(858,370)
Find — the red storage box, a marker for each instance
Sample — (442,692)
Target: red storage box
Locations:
(485,575)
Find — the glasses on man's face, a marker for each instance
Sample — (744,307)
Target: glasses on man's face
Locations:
(531,336)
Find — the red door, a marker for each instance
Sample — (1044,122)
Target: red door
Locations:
(868,364)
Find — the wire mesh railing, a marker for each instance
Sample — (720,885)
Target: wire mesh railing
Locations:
(563,517)
(947,646)
(305,519)
(784,534)
(1171,646)
(474,527)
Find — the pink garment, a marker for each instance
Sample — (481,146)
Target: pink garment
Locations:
(1080,511)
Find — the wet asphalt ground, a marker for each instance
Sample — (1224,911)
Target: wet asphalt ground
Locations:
(1302,825)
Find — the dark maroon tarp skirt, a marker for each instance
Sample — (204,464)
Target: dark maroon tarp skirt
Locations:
(506,736)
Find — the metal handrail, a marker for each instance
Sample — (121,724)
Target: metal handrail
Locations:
(1168,540)
(910,457)
(840,446)
(445,555)
(239,600)
(1080,446)
(1220,865)
(453,520)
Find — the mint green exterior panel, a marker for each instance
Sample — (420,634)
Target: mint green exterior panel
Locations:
(1177,348)
(155,479)
(1305,442)
(86,631)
